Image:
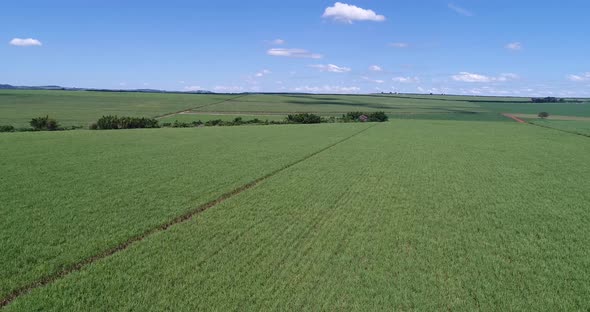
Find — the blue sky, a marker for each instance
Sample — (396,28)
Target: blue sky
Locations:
(500,47)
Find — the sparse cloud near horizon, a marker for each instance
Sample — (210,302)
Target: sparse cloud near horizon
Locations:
(331,68)
(328,89)
(579,77)
(294,53)
(375,68)
(262,73)
(460,10)
(406,79)
(278,42)
(347,13)
(399,45)
(192,88)
(29,42)
(514,46)
(479,78)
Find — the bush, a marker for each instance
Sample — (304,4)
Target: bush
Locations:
(377,117)
(44,124)
(114,122)
(305,118)
(543,115)
(6,128)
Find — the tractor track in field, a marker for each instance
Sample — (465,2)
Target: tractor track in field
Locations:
(514,118)
(49,279)
(193,108)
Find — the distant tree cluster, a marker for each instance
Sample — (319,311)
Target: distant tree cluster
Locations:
(548,99)
(44,124)
(365,117)
(115,122)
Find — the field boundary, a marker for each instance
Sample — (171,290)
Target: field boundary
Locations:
(560,130)
(187,216)
(193,108)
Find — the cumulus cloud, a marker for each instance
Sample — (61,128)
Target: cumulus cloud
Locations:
(278,41)
(347,13)
(460,10)
(514,46)
(263,73)
(327,89)
(579,77)
(29,42)
(406,79)
(331,68)
(471,77)
(399,45)
(295,53)
(375,68)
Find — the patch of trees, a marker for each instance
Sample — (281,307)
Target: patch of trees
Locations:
(548,99)
(365,117)
(44,124)
(114,122)
(543,115)
(6,128)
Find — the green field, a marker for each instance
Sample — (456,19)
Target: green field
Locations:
(225,117)
(448,206)
(82,108)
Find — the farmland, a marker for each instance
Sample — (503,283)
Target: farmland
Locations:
(450,205)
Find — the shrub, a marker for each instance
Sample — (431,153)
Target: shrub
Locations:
(44,124)
(378,117)
(6,128)
(114,122)
(543,115)
(108,122)
(305,118)
(215,122)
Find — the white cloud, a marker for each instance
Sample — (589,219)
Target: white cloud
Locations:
(228,89)
(348,13)
(295,53)
(514,46)
(375,68)
(399,45)
(29,42)
(192,88)
(460,10)
(406,79)
(372,80)
(278,41)
(331,68)
(327,89)
(471,77)
(263,73)
(580,77)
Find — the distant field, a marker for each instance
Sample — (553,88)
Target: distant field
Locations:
(17,108)
(414,215)
(581,127)
(225,117)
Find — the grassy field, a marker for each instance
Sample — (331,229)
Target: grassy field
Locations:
(409,215)
(573,126)
(66,196)
(17,108)
(449,206)
(225,117)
